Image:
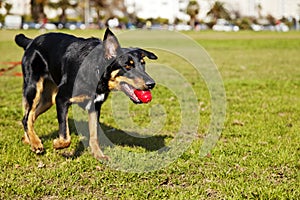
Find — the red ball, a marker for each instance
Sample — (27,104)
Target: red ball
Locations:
(144,96)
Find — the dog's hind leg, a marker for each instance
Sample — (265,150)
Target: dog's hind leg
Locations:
(32,97)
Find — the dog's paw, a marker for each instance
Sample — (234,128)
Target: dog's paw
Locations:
(97,153)
(37,146)
(61,143)
(100,156)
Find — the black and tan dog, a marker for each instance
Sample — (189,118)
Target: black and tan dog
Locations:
(64,69)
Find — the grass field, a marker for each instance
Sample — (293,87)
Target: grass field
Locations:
(256,157)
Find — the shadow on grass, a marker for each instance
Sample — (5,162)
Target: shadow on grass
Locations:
(115,136)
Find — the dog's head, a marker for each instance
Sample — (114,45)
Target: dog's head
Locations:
(126,69)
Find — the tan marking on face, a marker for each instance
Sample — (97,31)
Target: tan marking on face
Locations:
(114,74)
(114,82)
(128,67)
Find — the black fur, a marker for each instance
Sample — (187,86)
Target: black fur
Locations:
(79,71)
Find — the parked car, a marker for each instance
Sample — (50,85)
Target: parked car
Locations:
(49,26)
(281,27)
(224,25)
(12,21)
(30,25)
(74,25)
(183,27)
(33,25)
(59,25)
(256,27)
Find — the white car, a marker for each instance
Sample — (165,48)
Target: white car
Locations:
(281,27)
(224,25)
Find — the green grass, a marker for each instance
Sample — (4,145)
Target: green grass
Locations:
(257,156)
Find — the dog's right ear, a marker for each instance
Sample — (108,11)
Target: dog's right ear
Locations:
(111,45)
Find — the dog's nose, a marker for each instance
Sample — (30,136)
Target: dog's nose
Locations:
(150,84)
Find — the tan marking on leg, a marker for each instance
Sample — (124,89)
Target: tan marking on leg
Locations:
(49,92)
(61,143)
(25,139)
(52,90)
(79,99)
(94,143)
(35,142)
(25,106)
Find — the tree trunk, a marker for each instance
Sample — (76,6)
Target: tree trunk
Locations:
(192,22)
(37,10)
(63,17)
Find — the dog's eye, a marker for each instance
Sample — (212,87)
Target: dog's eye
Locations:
(142,61)
(129,64)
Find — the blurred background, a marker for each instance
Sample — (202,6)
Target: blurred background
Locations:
(225,15)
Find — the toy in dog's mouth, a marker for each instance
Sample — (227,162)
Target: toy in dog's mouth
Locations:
(137,96)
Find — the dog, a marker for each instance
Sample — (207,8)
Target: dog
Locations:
(63,69)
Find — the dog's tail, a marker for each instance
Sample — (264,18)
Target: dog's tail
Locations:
(22,40)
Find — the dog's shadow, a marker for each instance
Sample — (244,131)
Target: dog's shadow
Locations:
(111,134)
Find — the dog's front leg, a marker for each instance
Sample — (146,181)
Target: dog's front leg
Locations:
(94,143)
(64,139)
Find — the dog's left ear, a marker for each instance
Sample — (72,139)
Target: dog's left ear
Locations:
(111,45)
(148,54)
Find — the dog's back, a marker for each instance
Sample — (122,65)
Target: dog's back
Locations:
(61,52)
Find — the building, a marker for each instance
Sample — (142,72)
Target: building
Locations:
(276,8)
(172,9)
(19,7)
(167,9)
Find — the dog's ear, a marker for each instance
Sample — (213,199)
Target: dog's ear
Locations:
(148,54)
(111,45)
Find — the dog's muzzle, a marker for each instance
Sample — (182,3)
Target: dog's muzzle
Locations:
(137,96)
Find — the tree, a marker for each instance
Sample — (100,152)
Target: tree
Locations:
(99,5)
(109,8)
(193,10)
(37,9)
(218,11)
(8,7)
(63,5)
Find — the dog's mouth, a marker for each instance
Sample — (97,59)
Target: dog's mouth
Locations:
(137,96)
